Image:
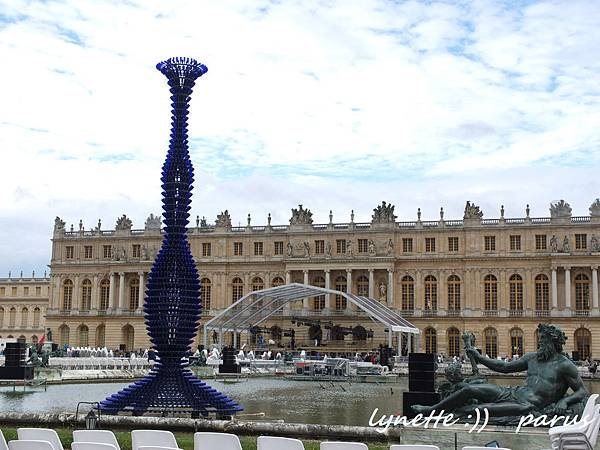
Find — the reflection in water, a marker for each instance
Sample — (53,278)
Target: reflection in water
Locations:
(291,401)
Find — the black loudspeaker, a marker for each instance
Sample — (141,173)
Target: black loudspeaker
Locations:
(229,365)
(122,347)
(14,354)
(417,398)
(421,357)
(575,354)
(16,373)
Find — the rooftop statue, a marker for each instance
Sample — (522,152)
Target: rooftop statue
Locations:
(560,209)
(384,213)
(223,220)
(472,211)
(553,385)
(59,224)
(595,208)
(124,223)
(152,222)
(301,216)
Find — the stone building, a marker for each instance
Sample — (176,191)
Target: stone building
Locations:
(496,277)
(23,304)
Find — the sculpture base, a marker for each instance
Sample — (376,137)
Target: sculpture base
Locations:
(170,390)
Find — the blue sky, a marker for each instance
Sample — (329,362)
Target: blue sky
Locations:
(333,104)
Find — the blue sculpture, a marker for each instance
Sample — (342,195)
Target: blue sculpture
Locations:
(172,308)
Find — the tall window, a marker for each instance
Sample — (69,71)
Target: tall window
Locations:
(86,295)
(134,294)
(106,251)
(87,252)
(26,291)
(128,337)
(453,341)
(540,242)
(238,249)
(100,335)
(489,243)
(430,294)
(408,294)
(515,242)
(542,294)
(136,250)
(319,300)
(583,343)
(36,318)
(582,293)
(205,293)
(70,252)
(277,281)
(83,337)
(340,285)
(490,293)
(24,317)
(12,318)
(581,241)
(515,283)
(453,294)
(340,246)
(407,245)
(453,244)
(258,249)
(516,342)
(363,245)
(63,333)
(104,294)
(237,291)
(430,244)
(1,317)
(257,284)
(362,286)
(279,247)
(67,295)
(491,342)
(430,340)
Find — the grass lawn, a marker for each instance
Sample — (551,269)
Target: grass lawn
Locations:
(185,440)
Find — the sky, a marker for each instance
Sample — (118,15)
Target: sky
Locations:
(336,105)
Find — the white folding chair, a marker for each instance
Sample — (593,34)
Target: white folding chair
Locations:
(3,445)
(278,443)
(222,441)
(156,447)
(152,438)
(478,447)
(343,446)
(29,444)
(413,447)
(96,436)
(92,446)
(40,434)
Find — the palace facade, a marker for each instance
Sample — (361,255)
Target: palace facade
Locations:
(496,277)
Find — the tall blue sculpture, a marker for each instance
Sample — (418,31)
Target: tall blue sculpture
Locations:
(172,307)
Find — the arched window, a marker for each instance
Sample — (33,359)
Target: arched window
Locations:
(582,293)
(516,342)
(1,317)
(12,318)
(408,295)
(205,294)
(430,340)
(583,343)
(100,335)
(542,295)
(86,295)
(453,295)
(237,291)
(67,295)
(319,300)
(362,286)
(430,294)
(490,293)
(453,341)
(128,337)
(134,294)
(36,317)
(83,335)
(104,294)
(515,283)
(277,281)
(24,317)
(340,285)
(491,342)
(257,284)
(63,332)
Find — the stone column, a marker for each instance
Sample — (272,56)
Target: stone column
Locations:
(95,291)
(288,280)
(121,304)
(595,290)
(305,300)
(390,290)
(567,288)
(111,293)
(554,290)
(348,288)
(327,286)
(142,291)
(371,283)
(76,299)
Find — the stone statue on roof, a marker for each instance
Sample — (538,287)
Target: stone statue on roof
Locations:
(301,216)
(472,211)
(384,213)
(223,220)
(560,209)
(123,223)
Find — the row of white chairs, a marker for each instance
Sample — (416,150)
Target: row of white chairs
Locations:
(47,439)
(92,363)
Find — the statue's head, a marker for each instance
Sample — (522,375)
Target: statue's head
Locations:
(454,372)
(551,341)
